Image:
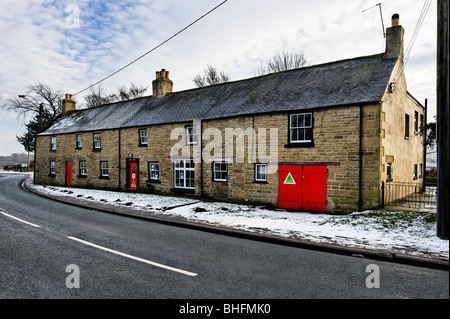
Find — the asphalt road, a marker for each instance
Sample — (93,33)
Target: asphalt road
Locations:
(53,250)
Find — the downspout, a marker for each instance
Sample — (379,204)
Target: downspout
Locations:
(120,131)
(360,158)
(201,158)
(424,130)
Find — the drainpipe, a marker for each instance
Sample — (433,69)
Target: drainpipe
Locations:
(424,131)
(120,131)
(360,158)
(201,158)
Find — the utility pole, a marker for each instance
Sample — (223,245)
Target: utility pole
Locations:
(443,156)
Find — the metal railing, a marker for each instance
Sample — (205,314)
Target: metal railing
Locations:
(410,195)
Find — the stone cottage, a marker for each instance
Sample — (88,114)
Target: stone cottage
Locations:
(320,138)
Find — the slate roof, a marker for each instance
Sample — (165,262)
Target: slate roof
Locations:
(347,82)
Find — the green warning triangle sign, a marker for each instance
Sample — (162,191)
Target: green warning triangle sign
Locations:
(133,184)
(289,179)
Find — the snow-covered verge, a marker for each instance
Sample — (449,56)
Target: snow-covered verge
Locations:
(401,232)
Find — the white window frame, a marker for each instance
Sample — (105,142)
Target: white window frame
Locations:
(104,170)
(295,125)
(416,122)
(191,135)
(258,172)
(97,141)
(143,136)
(52,168)
(82,166)
(53,143)
(407,131)
(220,169)
(79,139)
(183,168)
(153,172)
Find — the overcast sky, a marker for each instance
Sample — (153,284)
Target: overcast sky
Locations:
(42,43)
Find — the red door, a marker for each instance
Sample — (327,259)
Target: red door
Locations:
(133,176)
(290,177)
(68,173)
(314,188)
(303,187)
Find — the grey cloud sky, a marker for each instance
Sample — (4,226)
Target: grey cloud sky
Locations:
(37,45)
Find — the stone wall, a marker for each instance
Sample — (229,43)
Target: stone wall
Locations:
(241,142)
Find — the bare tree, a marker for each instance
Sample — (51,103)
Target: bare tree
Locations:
(40,102)
(283,60)
(97,97)
(211,76)
(37,99)
(128,94)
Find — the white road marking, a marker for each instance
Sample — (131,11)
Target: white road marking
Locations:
(20,220)
(184,272)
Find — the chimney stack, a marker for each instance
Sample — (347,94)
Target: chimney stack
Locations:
(162,84)
(68,104)
(394,39)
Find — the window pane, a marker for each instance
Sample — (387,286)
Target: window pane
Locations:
(294,135)
(294,120)
(190,179)
(308,134)
(178,179)
(301,120)
(190,164)
(261,172)
(307,120)
(300,134)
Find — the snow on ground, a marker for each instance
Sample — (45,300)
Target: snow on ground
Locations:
(400,232)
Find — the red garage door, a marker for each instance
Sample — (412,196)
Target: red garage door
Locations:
(303,187)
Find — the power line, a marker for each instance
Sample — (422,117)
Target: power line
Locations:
(156,47)
(423,13)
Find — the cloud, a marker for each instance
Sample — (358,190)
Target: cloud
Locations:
(38,45)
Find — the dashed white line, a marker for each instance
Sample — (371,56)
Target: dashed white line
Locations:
(184,272)
(20,220)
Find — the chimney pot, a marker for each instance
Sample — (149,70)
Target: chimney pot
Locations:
(395,20)
(69,104)
(394,39)
(162,84)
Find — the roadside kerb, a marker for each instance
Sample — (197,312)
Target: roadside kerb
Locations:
(381,255)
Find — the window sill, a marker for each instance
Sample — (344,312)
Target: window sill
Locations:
(153,181)
(78,148)
(53,150)
(143,145)
(260,182)
(51,175)
(104,177)
(96,150)
(183,190)
(299,145)
(82,176)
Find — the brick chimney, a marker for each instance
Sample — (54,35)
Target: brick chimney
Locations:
(68,104)
(394,39)
(162,84)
